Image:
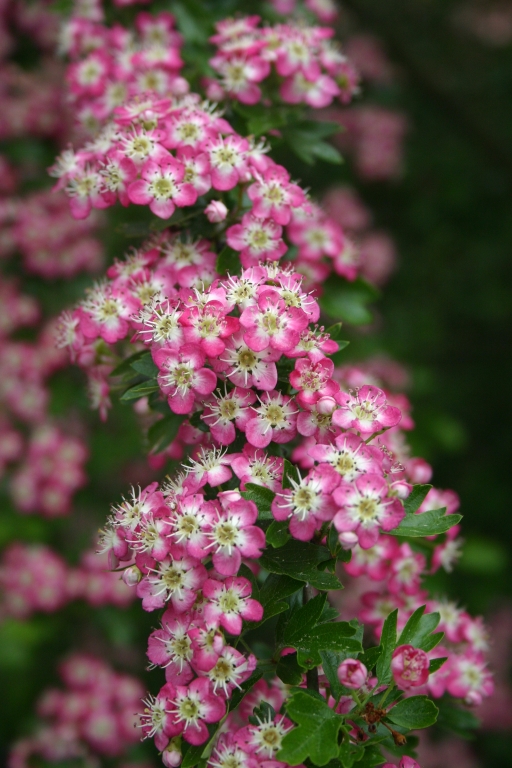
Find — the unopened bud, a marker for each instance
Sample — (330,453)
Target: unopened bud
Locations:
(131,576)
(216,211)
(352,673)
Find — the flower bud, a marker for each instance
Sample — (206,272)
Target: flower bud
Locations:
(171,756)
(352,673)
(409,666)
(216,211)
(348,539)
(131,576)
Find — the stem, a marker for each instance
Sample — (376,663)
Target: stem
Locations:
(385,695)
(311,674)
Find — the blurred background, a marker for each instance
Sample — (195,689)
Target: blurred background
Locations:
(428,155)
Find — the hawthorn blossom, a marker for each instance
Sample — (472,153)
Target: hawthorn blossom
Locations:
(409,666)
(365,508)
(229,603)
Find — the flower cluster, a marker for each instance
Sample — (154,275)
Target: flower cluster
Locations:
(52,244)
(51,472)
(91,718)
(34,578)
(111,66)
(304,62)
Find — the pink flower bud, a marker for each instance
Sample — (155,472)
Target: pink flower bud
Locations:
(348,539)
(326,405)
(409,666)
(216,211)
(131,576)
(171,756)
(352,673)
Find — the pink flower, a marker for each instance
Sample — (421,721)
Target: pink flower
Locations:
(274,421)
(469,677)
(246,367)
(171,648)
(352,673)
(231,532)
(191,708)
(307,504)
(409,666)
(228,161)
(365,508)
(224,412)
(257,239)
(254,466)
(160,187)
(178,579)
(216,211)
(182,376)
(313,380)
(366,411)
(273,196)
(272,323)
(229,602)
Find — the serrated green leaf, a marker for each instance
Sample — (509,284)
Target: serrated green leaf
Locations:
(273,593)
(262,497)
(277,533)
(430,523)
(419,628)
(126,366)
(228,261)
(416,497)
(316,733)
(370,657)
(303,619)
(414,713)
(387,646)
(140,390)
(300,560)
(350,753)
(330,662)
(145,365)
(288,670)
(162,433)
(334,331)
(337,636)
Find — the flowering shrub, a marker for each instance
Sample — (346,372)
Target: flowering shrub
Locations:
(295,468)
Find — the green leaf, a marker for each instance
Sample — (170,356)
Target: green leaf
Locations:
(334,331)
(350,753)
(262,497)
(430,523)
(316,734)
(273,593)
(436,664)
(419,628)
(347,300)
(228,261)
(277,533)
(145,365)
(303,619)
(162,433)
(414,712)
(337,636)
(126,367)
(416,497)
(288,670)
(326,152)
(387,646)
(289,472)
(300,560)
(370,657)
(455,719)
(140,390)
(330,663)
